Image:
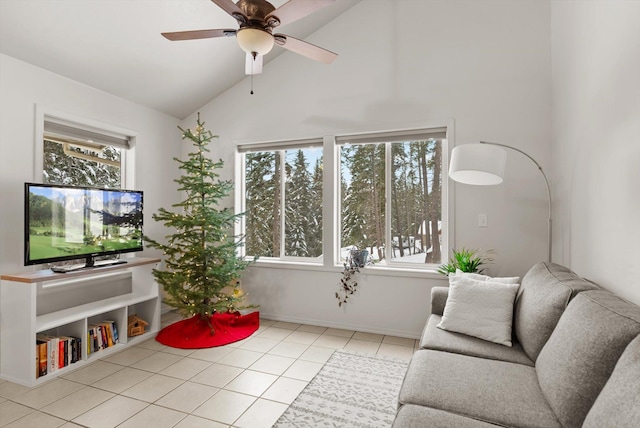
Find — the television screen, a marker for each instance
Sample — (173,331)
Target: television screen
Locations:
(66,222)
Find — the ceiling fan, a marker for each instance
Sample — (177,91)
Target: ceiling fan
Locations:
(257,20)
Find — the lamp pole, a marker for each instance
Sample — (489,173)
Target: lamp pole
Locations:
(546,182)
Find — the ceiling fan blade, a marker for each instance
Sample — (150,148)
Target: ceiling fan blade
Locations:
(296,9)
(253,66)
(199,34)
(232,9)
(303,48)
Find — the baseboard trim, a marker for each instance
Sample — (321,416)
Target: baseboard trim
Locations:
(344,326)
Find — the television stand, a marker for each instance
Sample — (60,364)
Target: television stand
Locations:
(49,303)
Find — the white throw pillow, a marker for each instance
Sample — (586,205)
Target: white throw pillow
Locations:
(480,308)
(480,277)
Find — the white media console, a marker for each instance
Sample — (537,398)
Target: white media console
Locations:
(66,304)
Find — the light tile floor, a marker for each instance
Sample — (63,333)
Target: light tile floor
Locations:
(247,384)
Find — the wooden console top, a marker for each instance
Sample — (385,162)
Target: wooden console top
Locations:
(48,275)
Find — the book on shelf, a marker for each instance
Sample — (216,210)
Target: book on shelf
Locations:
(96,332)
(116,337)
(52,346)
(103,338)
(62,352)
(76,349)
(92,340)
(41,352)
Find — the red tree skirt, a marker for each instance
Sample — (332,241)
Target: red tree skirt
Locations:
(195,332)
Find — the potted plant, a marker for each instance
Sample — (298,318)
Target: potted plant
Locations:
(355,260)
(466,261)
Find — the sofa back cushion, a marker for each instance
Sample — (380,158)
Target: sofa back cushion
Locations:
(580,355)
(618,405)
(544,294)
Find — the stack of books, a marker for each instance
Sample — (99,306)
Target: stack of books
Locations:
(101,336)
(56,352)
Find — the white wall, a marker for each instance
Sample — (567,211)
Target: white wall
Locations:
(596,146)
(486,65)
(24,86)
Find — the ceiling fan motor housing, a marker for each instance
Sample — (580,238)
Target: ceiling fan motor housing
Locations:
(256,12)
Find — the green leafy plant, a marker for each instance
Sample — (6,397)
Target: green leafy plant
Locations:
(466,261)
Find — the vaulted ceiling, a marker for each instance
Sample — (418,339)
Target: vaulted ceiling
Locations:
(115,46)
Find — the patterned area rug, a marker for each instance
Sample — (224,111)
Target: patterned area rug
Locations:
(351,390)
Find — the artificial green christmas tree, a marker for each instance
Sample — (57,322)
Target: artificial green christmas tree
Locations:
(202,264)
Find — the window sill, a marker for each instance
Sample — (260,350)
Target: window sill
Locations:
(289,264)
(375,270)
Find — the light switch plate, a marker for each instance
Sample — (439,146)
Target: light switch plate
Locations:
(482,220)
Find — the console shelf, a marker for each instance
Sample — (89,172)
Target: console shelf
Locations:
(65,304)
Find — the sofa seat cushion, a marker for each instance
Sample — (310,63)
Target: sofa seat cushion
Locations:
(488,390)
(441,340)
(544,294)
(580,355)
(618,404)
(412,416)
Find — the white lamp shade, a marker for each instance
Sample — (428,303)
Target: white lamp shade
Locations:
(255,40)
(478,164)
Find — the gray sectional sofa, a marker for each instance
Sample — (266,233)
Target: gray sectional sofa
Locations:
(575,362)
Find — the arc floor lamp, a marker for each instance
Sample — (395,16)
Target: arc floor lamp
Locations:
(483,164)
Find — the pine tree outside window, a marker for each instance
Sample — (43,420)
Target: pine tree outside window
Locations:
(391,196)
(283,202)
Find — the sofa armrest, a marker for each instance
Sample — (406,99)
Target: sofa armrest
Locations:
(438,299)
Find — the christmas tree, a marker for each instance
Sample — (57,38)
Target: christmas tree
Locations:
(202,264)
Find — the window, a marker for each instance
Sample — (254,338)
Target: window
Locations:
(386,189)
(391,193)
(75,156)
(283,201)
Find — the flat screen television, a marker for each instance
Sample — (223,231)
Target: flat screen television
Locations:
(69,222)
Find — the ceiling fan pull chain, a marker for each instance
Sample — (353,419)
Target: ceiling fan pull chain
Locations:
(254,54)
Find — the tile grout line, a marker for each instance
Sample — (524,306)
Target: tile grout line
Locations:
(303,343)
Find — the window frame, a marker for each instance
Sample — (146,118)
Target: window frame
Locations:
(240,201)
(388,138)
(331,201)
(109,133)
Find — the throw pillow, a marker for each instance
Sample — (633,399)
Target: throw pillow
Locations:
(480,277)
(480,308)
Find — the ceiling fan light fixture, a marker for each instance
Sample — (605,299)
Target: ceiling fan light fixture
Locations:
(255,40)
